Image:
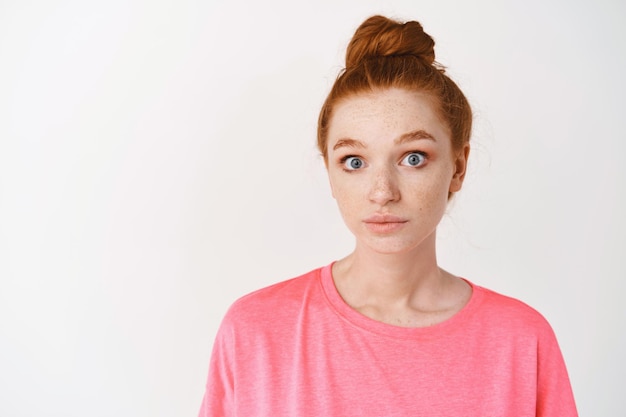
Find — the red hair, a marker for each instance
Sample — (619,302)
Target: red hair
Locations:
(384,53)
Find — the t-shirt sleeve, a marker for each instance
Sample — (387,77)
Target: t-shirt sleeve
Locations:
(218,398)
(554,392)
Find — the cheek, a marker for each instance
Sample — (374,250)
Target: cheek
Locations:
(429,195)
(347,196)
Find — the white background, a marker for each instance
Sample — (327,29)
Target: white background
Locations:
(157,161)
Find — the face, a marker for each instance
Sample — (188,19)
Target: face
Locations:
(391,168)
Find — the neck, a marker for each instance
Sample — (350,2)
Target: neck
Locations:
(408,289)
(393,277)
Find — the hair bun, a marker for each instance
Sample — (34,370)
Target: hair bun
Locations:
(379,36)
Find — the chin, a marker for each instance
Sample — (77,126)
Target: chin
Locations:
(390,246)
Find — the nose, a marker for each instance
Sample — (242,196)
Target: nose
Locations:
(384,187)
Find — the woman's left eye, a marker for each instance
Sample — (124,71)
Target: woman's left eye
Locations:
(414,159)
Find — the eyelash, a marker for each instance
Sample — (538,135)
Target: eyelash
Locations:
(423,155)
(344,159)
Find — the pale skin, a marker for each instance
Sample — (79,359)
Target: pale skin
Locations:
(391,166)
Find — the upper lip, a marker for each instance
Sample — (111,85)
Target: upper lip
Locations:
(384,218)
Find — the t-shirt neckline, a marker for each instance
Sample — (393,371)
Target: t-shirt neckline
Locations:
(337,303)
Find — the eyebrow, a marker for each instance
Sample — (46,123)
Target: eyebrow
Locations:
(348,143)
(414,135)
(404,138)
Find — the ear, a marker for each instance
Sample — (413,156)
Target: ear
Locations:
(460,167)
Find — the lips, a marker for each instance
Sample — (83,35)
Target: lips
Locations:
(384,223)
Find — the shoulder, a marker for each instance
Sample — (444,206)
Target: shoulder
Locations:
(509,314)
(275,301)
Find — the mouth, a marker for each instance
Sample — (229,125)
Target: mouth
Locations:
(384,223)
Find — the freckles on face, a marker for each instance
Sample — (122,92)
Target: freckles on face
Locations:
(390,165)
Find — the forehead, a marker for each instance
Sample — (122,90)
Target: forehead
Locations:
(385,115)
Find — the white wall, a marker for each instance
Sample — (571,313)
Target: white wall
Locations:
(157,161)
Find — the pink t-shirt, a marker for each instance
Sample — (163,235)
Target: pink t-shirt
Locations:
(297,349)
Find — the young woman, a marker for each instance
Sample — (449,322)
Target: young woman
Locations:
(385,331)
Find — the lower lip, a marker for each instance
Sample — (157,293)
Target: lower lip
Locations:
(386,227)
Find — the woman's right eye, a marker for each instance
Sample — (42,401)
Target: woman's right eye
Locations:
(353,163)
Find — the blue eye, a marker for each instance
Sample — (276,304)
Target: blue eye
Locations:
(414,159)
(353,162)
